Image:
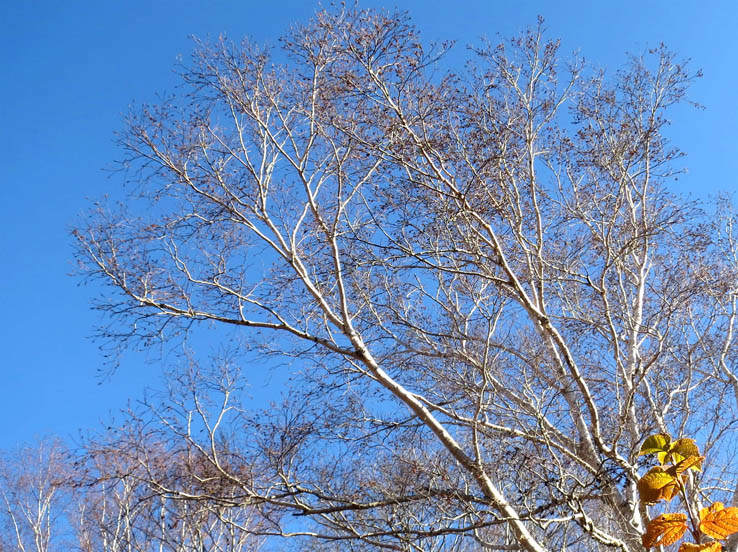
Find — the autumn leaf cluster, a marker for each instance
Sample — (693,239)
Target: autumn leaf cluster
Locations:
(667,480)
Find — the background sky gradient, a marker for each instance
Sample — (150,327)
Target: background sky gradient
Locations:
(70,69)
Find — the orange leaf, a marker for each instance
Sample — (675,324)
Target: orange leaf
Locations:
(657,485)
(719,522)
(716,507)
(664,530)
(689,462)
(682,449)
(713,546)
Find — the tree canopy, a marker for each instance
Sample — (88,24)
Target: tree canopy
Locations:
(486,291)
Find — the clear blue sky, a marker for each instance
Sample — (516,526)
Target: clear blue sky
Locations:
(70,69)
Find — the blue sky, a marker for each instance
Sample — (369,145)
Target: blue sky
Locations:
(70,69)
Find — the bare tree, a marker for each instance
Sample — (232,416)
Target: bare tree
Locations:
(486,287)
(33,502)
(113,500)
(126,502)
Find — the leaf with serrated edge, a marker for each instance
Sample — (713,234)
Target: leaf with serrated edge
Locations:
(713,546)
(682,449)
(719,522)
(686,447)
(656,485)
(691,462)
(655,443)
(664,530)
(669,491)
(716,507)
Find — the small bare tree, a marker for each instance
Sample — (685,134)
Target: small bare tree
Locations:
(33,504)
(116,500)
(144,491)
(490,294)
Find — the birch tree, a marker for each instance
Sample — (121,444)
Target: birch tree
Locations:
(33,504)
(144,489)
(485,288)
(112,500)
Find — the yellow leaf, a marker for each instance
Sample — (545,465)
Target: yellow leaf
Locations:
(682,449)
(669,491)
(719,522)
(655,444)
(691,462)
(657,485)
(713,546)
(716,507)
(664,530)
